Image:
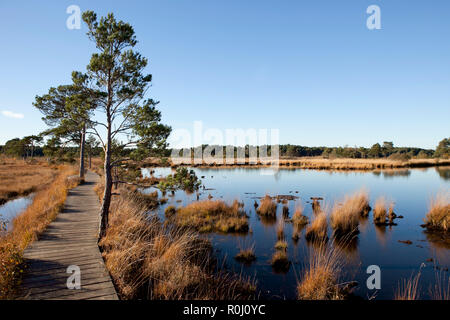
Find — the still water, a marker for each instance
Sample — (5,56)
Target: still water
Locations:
(410,190)
(12,208)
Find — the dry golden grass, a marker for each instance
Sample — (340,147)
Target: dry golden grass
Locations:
(170,211)
(318,229)
(298,218)
(320,280)
(148,259)
(280,261)
(26,227)
(438,216)
(408,289)
(281,245)
(246,255)
(19,177)
(382,211)
(441,289)
(345,216)
(267,207)
(320,163)
(212,216)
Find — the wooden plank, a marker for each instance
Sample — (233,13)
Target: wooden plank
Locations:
(69,240)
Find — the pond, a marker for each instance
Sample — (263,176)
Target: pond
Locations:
(12,208)
(410,190)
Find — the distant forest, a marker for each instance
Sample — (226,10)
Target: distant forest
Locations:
(33,146)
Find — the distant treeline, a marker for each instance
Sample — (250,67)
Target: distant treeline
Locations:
(384,150)
(33,146)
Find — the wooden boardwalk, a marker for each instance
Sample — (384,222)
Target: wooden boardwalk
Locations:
(70,240)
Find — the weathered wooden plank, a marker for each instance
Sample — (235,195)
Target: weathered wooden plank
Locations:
(69,240)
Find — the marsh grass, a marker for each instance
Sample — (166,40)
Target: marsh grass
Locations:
(380,212)
(281,245)
(321,278)
(212,216)
(246,255)
(267,207)
(438,216)
(408,289)
(148,259)
(441,289)
(170,211)
(26,227)
(20,178)
(280,262)
(318,229)
(299,219)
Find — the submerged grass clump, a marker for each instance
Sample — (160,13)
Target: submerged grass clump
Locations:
(383,213)
(267,207)
(280,262)
(212,216)
(438,216)
(148,259)
(246,255)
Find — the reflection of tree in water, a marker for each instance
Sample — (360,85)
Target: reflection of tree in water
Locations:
(444,172)
(396,173)
(376,173)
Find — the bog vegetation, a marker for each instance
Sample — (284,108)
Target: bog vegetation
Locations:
(47,203)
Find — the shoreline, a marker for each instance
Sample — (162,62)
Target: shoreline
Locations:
(344,164)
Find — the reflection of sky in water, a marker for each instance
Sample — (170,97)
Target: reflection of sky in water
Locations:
(12,208)
(409,189)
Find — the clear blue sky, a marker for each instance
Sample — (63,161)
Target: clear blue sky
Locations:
(308,68)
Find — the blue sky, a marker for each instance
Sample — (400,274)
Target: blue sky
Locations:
(311,69)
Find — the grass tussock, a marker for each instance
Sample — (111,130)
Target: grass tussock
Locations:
(345,219)
(267,207)
(213,216)
(298,218)
(26,227)
(438,216)
(321,278)
(280,261)
(383,213)
(318,229)
(20,178)
(246,255)
(170,211)
(148,259)
(281,245)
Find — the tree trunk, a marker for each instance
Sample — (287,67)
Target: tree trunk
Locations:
(82,144)
(104,213)
(90,159)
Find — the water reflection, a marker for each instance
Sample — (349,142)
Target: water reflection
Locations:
(444,172)
(12,208)
(373,245)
